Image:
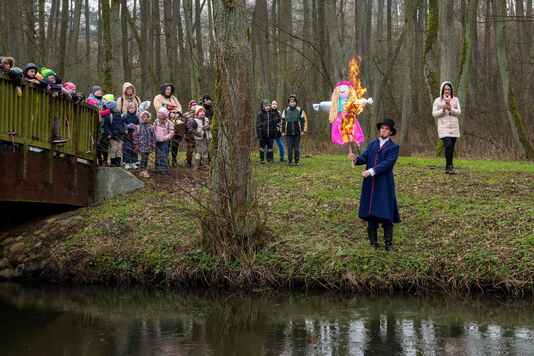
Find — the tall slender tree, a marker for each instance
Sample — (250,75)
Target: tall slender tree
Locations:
(517,124)
(235,231)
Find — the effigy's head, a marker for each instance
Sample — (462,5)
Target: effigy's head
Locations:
(343,88)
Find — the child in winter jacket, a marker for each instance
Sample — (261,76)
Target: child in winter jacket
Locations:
(32,77)
(104,133)
(202,134)
(95,95)
(52,81)
(69,92)
(118,133)
(164,130)
(131,121)
(145,141)
(129,96)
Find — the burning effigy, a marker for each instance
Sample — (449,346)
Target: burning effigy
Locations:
(346,104)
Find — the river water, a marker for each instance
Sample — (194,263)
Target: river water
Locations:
(98,321)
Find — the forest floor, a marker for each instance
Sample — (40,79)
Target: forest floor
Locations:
(468,233)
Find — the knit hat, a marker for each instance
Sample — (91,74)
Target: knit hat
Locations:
(95,88)
(192,104)
(92,102)
(163,113)
(199,109)
(108,97)
(145,113)
(292,96)
(264,103)
(70,86)
(144,106)
(47,72)
(29,66)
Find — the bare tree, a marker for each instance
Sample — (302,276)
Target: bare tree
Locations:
(233,229)
(517,124)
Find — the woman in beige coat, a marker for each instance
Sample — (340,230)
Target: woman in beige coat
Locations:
(446,110)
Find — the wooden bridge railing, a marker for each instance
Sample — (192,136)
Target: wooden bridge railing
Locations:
(28,120)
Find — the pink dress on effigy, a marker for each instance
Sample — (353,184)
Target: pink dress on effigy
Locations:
(338,138)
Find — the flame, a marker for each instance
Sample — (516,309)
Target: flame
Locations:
(353,107)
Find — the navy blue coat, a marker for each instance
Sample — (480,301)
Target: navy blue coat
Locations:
(378,199)
(118,126)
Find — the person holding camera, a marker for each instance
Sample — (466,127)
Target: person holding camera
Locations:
(446,110)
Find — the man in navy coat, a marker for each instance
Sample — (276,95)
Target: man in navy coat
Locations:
(378,203)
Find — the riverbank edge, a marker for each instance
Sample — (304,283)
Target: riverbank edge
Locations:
(31,258)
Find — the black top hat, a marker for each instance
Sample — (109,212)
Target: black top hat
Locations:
(388,122)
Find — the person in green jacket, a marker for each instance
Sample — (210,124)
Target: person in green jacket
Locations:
(294,125)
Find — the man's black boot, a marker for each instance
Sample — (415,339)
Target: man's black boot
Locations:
(373,237)
(388,237)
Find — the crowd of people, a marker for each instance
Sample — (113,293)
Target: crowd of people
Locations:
(272,125)
(127,134)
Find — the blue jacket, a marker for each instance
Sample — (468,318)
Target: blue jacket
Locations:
(117,126)
(378,199)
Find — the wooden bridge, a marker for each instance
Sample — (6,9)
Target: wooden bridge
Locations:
(32,168)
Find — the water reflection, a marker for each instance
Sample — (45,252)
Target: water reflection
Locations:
(45,321)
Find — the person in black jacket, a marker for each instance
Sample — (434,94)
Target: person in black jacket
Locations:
(266,131)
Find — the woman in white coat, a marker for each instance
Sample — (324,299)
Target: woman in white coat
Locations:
(446,110)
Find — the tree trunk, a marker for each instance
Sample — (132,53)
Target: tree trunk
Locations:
(191,53)
(63,37)
(75,34)
(29,33)
(465,80)
(431,50)
(170,38)
(126,60)
(143,46)
(447,40)
(87,17)
(334,51)
(233,228)
(156,38)
(285,28)
(407,103)
(517,124)
(198,45)
(185,74)
(116,43)
(260,49)
(275,59)
(107,72)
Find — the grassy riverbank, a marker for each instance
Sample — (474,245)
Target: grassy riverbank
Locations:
(469,232)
